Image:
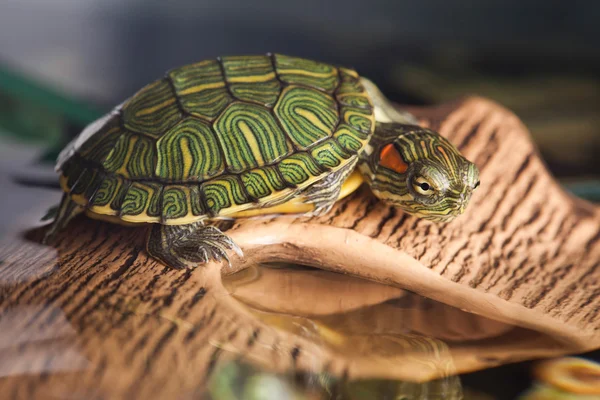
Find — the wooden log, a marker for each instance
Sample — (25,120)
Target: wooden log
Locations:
(100,318)
(525,252)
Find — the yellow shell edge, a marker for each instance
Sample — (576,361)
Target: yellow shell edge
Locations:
(298,206)
(294,206)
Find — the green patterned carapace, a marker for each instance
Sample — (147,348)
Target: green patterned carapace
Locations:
(223,136)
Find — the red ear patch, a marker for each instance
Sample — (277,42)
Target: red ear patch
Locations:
(391,159)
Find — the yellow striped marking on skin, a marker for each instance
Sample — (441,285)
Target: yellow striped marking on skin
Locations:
(448,163)
(252,142)
(157,107)
(411,145)
(252,79)
(199,88)
(298,205)
(424,147)
(385,195)
(306,73)
(432,214)
(312,118)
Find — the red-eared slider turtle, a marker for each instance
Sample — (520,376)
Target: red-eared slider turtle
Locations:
(220,137)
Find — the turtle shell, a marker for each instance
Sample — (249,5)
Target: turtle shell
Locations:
(218,137)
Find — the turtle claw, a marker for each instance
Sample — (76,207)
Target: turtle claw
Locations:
(321,209)
(213,251)
(217,243)
(233,246)
(197,246)
(209,243)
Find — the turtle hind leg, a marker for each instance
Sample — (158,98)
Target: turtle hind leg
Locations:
(186,246)
(65,212)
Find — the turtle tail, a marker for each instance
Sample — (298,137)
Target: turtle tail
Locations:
(62,215)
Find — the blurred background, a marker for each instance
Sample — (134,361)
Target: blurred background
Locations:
(65,62)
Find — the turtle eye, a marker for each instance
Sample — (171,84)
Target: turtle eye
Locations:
(476,185)
(423,187)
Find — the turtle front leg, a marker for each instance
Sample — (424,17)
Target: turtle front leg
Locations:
(324,193)
(186,246)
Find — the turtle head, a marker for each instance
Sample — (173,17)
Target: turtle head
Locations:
(421,172)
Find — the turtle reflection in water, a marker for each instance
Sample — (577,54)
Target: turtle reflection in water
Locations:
(238,380)
(260,134)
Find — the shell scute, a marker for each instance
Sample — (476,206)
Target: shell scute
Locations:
(132,156)
(117,201)
(358,118)
(223,193)
(105,194)
(175,202)
(99,145)
(252,79)
(201,89)
(350,92)
(152,110)
(142,202)
(299,168)
(188,152)
(295,70)
(262,182)
(351,139)
(329,154)
(308,116)
(250,137)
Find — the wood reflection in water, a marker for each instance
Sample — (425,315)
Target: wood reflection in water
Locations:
(380,330)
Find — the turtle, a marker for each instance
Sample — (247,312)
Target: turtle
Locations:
(258,134)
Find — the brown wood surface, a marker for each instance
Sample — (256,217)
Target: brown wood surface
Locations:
(95,317)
